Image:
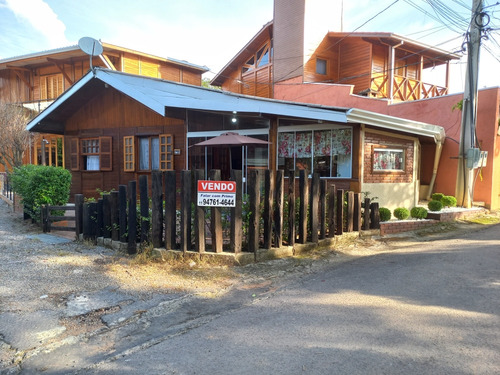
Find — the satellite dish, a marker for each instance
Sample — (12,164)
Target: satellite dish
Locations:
(91,47)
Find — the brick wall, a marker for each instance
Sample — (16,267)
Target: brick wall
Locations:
(393,227)
(376,140)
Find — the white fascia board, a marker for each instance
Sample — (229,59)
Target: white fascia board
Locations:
(61,99)
(129,90)
(360,116)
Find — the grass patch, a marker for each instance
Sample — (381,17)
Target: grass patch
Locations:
(484,220)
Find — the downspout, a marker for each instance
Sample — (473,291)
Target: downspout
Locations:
(437,157)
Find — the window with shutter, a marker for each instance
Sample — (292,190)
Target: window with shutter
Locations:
(166,152)
(106,153)
(51,86)
(129,154)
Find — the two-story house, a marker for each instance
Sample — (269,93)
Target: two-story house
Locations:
(35,80)
(302,55)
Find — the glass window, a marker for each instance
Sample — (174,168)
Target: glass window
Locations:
(90,154)
(149,153)
(388,159)
(328,152)
(321,66)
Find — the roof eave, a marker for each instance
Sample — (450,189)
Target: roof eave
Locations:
(360,116)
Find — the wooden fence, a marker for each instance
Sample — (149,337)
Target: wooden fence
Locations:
(5,187)
(266,218)
(62,222)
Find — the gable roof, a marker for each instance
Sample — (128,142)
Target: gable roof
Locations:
(38,58)
(157,95)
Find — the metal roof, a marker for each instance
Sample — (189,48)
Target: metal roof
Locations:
(158,94)
(74,51)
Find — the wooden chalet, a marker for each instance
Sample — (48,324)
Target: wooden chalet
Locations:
(37,79)
(378,65)
(118,126)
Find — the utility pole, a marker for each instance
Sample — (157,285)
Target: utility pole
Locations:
(468,153)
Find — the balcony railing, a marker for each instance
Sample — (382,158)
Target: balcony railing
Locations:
(405,89)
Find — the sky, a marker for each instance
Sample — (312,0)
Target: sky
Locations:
(211,32)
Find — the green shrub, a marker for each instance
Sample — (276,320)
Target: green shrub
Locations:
(401,213)
(385,214)
(437,196)
(38,185)
(449,201)
(435,206)
(418,212)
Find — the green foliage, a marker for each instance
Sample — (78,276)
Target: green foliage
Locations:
(39,185)
(401,213)
(458,106)
(435,205)
(385,214)
(449,201)
(418,212)
(437,196)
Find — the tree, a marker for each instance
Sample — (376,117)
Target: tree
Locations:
(14,139)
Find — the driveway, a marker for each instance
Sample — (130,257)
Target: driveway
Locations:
(414,306)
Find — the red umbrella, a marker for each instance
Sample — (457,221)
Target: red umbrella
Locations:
(232,139)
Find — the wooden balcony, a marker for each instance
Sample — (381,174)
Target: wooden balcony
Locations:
(404,89)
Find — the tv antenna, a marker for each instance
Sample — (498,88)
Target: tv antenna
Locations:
(91,47)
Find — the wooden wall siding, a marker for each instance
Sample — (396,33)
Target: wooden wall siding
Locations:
(257,82)
(327,50)
(376,139)
(128,118)
(380,71)
(355,64)
(231,83)
(12,89)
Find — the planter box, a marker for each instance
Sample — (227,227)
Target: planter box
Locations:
(393,227)
(454,214)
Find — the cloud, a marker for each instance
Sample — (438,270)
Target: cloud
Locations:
(40,16)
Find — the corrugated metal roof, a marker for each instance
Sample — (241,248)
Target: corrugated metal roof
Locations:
(158,94)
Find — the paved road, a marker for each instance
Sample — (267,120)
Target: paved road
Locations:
(425,308)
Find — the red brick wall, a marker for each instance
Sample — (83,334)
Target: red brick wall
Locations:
(403,226)
(377,140)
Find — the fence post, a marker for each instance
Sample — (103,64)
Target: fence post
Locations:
(106,216)
(79,199)
(278,210)
(332,219)
(199,217)
(132,217)
(122,212)
(99,218)
(93,220)
(253,185)
(314,207)
(236,213)
(291,208)
(144,207)
(322,209)
(115,234)
(157,209)
(216,218)
(357,212)
(303,193)
(185,211)
(340,212)
(375,216)
(45,218)
(366,215)
(350,211)
(170,210)
(268,208)
(86,226)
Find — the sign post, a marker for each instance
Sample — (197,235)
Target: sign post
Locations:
(216,193)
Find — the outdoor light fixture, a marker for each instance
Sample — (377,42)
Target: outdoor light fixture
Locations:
(234,120)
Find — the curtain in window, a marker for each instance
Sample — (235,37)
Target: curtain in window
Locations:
(93,163)
(341,141)
(286,143)
(144,153)
(322,143)
(155,153)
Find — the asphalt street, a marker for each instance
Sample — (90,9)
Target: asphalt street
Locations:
(426,308)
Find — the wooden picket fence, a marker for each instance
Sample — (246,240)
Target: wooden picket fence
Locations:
(172,220)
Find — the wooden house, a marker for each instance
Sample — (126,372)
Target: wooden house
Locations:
(37,79)
(119,126)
